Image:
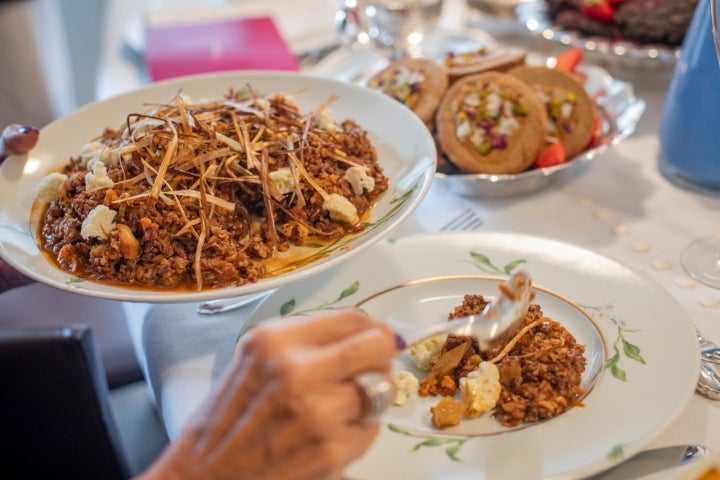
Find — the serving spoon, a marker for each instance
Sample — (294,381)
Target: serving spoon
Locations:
(496,324)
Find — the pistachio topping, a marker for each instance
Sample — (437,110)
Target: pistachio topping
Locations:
(560,105)
(486,116)
(401,83)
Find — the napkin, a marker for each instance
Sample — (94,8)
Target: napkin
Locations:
(252,43)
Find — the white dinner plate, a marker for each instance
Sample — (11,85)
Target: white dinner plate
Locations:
(405,151)
(642,353)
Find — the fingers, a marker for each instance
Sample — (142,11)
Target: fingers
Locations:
(11,278)
(325,459)
(287,451)
(327,328)
(369,350)
(17,139)
(289,401)
(338,346)
(323,412)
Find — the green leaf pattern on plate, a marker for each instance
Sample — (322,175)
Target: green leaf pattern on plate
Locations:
(397,202)
(617,452)
(452,445)
(483,263)
(621,347)
(286,309)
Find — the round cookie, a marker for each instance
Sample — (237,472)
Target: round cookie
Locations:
(500,58)
(569,108)
(418,83)
(491,123)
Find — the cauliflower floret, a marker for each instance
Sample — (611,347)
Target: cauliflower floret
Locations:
(48,188)
(98,151)
(480,389)
(97,177)
(283,180)
(406,385)
(326,121)
(425,353)
(99,223)
(341,209)
(359,179)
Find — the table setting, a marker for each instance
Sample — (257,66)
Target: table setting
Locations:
(604,234)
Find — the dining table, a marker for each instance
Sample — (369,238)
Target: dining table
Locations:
(618,205)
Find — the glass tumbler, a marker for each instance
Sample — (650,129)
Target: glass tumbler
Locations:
(397,25)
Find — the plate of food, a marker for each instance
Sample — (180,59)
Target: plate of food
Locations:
(636,32)
(212,186)
(595,341)
(507,122)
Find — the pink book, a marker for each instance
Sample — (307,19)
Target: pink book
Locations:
(235,44)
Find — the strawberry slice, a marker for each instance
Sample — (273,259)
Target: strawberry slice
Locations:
(554,154)
(597,131)
(598,9)
(569,60)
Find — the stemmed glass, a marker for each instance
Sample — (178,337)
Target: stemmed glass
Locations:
(396,26)
(701,259)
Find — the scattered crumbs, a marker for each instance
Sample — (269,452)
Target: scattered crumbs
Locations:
(621,230)
(710,302)
(603,214)
(661,264)
(640,247)
(685,282)
(586,201)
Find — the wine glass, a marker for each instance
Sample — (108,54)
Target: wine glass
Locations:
(701,258)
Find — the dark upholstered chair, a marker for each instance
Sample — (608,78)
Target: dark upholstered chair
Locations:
(56,419)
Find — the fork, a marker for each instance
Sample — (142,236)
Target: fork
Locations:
(468,219)
(709,379)
(709,351)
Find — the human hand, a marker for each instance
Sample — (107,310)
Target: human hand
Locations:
(287,406)
(15,139)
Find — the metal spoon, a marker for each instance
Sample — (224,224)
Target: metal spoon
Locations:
(497,323)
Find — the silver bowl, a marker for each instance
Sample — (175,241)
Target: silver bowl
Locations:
(619,110)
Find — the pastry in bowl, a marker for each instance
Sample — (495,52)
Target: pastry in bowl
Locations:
(569,108)
(491,123)
(500,58)
(418,83)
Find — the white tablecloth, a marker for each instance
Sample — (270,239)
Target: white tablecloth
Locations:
(618,205)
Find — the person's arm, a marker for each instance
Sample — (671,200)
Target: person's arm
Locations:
(287,407)
(15,139)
